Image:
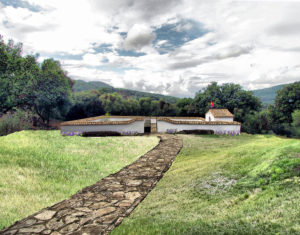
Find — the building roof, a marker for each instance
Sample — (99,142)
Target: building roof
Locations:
(220,113)
(93,121)
(173,120)
(200,122)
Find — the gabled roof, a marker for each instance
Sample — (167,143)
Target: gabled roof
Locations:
(220,113)
(200,122)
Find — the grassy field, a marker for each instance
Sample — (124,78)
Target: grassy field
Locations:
(247,184)
(39,168)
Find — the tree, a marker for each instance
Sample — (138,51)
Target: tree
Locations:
(85,104)
(51,91)
(286,101)
(12,77)
(113,103)
(184,107)
(296,123)
(231,96)
(145,105)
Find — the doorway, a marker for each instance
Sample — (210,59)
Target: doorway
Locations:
(147,126)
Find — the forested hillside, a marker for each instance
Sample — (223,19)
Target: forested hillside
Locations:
(267,95)
(80,85)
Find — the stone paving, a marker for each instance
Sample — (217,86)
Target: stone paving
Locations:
(99,208)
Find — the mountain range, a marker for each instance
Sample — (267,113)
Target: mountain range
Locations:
(267,95)
(80,85)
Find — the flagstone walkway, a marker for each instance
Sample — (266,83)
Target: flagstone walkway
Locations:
(99,208)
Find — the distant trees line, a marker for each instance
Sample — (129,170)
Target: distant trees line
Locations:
(41,92)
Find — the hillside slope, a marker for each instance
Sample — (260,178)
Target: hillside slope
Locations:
(267,95)
(248,184)
(86,86)
(80,85)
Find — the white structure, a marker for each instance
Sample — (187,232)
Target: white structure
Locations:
(217,120)
(219,115)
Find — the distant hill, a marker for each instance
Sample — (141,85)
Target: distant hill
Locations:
(80,85)
(267,95)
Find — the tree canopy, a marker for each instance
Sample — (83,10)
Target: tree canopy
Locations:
(230,96)
(24,83)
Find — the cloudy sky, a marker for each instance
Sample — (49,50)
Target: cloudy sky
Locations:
(173,47)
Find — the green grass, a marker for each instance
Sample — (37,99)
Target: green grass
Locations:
(40,168)
(248,184)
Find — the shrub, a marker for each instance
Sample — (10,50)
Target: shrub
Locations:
(296,123)
(17,121)
(282,129)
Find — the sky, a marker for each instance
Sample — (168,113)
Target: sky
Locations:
(172,47)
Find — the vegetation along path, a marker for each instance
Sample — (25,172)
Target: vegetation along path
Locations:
(99,208)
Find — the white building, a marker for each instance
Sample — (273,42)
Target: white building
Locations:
(219,115)
(217,120)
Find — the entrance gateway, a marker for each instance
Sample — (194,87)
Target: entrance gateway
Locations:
(150,125)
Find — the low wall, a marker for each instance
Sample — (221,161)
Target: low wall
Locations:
(163,126)
(137,126)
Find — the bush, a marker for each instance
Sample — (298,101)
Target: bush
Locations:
(282,129)
(12,122)
(296,123)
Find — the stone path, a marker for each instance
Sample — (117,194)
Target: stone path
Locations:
(99,208)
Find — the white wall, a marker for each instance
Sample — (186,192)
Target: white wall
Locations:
(186,119)
(137,126)
(209,115)
(225,119)
(212,118)
(162,126)
(153,120)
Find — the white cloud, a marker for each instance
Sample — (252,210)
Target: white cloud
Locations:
(138,37)
(255,45)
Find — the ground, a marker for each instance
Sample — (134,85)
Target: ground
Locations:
(40,168)
(246,184)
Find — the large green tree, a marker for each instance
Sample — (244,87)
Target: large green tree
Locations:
(184,107)
(85,104)
(287,101)
(12,76)
(51,91)
(231,96)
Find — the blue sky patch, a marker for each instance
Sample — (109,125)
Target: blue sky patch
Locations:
(103,48)
(123,34)
(63,56)
(175,35)
(130,53)
(114,69)
(21,4)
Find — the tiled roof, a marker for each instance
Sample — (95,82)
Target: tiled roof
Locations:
(92,121)
(166,119)
(221,113)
